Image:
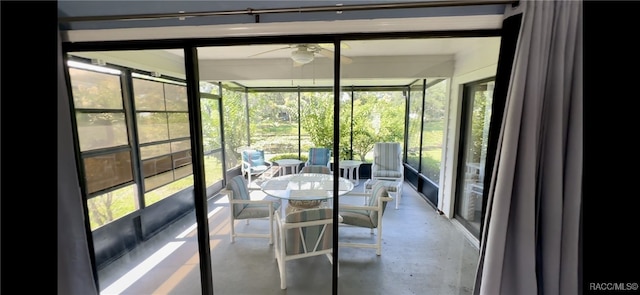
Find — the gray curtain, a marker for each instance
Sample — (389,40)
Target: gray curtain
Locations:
(531,235)
(75,275)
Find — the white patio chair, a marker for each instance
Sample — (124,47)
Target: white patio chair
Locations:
(254,163)
(241,206)
(302,234)
(387,163)
(365,216)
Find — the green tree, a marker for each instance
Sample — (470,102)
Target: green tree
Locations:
(480,104)
(317,118)
(235,120)
(377,117)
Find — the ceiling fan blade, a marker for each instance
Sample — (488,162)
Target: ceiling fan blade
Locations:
(328,53)
(272,50)
(345,60)
(343,45)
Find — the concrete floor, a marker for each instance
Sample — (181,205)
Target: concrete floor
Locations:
(423,253)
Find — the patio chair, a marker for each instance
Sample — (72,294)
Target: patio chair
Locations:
(254,164)
(316,169)
(365,216)
(241,206)
(387,163)
(302,234)
(319,157)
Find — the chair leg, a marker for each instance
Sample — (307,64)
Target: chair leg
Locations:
(398,194)
(379,231)
(270,226)
(283,273)
(379,243)
(232,231)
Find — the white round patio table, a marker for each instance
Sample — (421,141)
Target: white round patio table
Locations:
(305,190)
(351,170)
(292,164)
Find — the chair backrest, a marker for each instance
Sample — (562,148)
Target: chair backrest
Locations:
(387,155)
(378,191)
(316,169)
(387,160)
(238,187)
(311,238)
(319,156)
(253,157)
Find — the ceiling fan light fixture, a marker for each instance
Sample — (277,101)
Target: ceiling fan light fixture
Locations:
(302,56)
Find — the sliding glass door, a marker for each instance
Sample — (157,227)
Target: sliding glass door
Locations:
(476,113)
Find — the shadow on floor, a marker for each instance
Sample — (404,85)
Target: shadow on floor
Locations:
(423,253)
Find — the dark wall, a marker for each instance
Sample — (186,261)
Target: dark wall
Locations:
(115,239)
(426,188)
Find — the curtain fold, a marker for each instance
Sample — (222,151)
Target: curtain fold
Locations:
(530,241)
(75,274)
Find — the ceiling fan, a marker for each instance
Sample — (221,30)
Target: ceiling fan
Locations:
(306,53)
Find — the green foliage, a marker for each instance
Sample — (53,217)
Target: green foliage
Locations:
(211,133)
(316,118)
(481,112)
(234,120)
(435,99)
(377,117)
(431,168)
(276,144)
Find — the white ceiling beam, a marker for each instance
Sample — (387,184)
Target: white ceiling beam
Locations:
(448,23)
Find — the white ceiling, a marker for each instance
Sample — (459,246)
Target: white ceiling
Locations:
(364,54)
(353,48)
(374,62)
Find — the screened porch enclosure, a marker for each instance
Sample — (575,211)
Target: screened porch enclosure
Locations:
(134,123)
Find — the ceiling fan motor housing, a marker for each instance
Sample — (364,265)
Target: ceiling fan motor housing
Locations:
(302,55)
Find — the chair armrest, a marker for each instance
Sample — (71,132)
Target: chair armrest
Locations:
(234,201)
(386,199)
(267,163)
(354,207)
(290,225)
(363,207)
(253,189)
(265,202)
(356,194)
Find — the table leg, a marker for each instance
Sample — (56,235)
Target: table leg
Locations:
(353,175)
(357,170)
